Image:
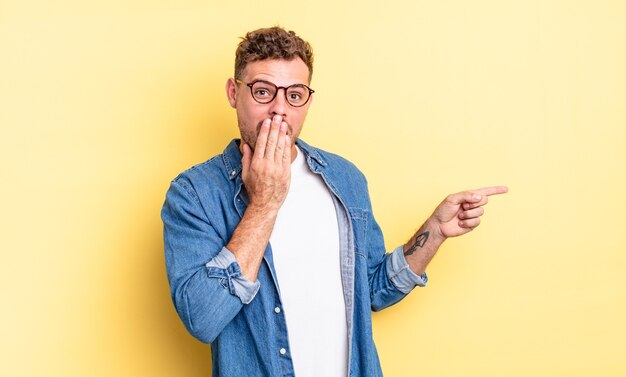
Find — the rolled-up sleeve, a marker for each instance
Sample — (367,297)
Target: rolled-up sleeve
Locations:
(401,274)
(225,267)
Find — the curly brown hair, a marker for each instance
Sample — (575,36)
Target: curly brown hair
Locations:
(272,43)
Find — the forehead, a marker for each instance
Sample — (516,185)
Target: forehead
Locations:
(279,71)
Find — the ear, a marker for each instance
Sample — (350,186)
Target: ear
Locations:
(231,92)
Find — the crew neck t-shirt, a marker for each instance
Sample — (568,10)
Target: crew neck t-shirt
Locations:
(305,249)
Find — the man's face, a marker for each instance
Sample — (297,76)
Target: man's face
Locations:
(251,114)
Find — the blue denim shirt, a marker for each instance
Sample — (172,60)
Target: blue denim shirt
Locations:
(244,321)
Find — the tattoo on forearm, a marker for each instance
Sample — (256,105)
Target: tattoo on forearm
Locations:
(420,240)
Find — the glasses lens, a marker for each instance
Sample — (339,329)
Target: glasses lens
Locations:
(263,92)
(297,95)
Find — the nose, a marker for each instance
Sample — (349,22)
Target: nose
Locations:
(279,105)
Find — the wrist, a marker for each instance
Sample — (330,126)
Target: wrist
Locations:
(262,210)
(437,236)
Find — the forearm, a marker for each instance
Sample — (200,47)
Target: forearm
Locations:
(423,246)
(250,239)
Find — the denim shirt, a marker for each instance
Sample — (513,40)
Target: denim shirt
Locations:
(244,321)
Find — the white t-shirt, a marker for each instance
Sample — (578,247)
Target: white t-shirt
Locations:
(305,248)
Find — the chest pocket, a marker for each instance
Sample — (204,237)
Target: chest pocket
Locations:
(358,217)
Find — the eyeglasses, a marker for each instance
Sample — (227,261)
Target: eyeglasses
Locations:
(264,92)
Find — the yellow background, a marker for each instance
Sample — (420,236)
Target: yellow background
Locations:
(102,103)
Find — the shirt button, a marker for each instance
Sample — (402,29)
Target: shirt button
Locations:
(277,310)
(282,351)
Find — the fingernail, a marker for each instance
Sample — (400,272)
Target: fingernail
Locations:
(476,196)
(278,118)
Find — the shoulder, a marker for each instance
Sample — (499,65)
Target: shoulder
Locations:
(333,163)
(211,170)
(212,178)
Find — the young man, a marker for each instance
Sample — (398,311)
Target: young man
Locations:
(273,254)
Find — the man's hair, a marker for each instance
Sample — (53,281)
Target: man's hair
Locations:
(272,43)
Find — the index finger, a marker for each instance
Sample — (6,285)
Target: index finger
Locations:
(492,190)
(261,139)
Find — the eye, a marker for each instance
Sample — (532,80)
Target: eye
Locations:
(296,93)
(262,92)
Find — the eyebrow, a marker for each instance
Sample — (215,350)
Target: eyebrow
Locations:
(273,83)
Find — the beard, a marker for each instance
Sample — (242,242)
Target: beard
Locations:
(249,137)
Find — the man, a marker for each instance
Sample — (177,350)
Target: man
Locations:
(272,251)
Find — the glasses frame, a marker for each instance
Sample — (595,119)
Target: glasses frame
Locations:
(285,88)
